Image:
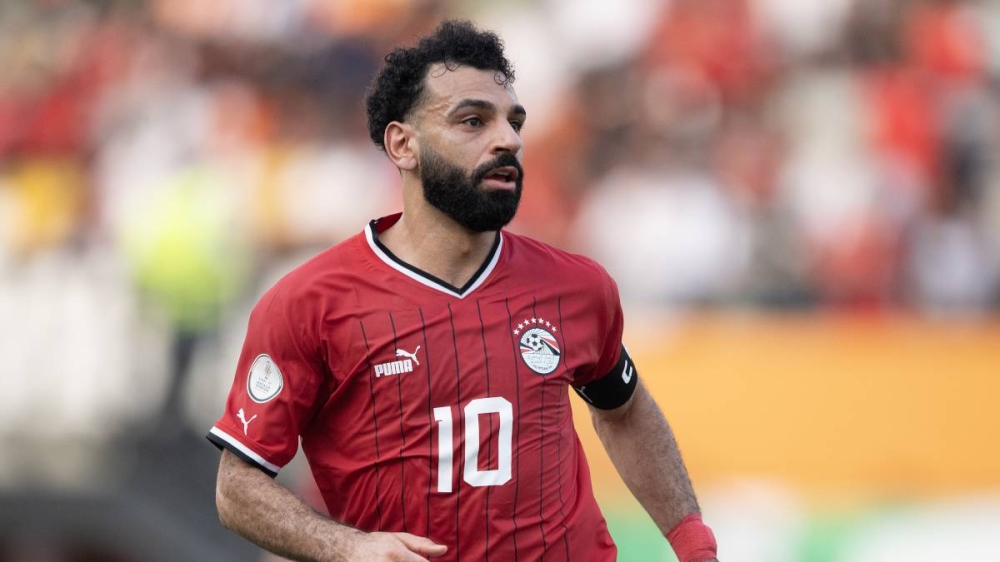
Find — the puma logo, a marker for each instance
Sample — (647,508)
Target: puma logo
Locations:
(404,353)
(243,418)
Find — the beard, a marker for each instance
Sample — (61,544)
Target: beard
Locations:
(463,198)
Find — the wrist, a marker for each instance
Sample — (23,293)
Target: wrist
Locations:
(339,541)
(692,540)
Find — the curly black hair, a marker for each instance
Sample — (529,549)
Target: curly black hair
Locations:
(399,84)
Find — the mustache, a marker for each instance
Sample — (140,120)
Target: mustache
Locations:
(506,159)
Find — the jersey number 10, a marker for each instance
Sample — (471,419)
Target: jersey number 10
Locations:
(446,450)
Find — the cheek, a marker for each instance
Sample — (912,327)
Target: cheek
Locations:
(465,159)
(464,151)
(451,145)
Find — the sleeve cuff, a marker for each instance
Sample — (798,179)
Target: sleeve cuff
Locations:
(223,440)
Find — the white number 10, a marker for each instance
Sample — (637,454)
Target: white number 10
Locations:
(472,474)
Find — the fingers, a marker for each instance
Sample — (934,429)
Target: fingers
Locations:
(421,545)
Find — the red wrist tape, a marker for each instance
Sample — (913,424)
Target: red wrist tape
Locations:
(692,540)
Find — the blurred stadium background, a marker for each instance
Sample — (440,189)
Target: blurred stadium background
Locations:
(800,201)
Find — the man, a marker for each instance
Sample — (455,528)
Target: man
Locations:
(425,362)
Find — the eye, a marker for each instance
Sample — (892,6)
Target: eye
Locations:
(517,125)
(474,122)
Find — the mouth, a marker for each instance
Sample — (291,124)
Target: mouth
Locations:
(504,177)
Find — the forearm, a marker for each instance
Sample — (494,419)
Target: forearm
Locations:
(262,511)
(642,447)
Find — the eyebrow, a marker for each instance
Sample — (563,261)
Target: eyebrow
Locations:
(516,109)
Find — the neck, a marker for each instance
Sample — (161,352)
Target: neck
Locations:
(426,238)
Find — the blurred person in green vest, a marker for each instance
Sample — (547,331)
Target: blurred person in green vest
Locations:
(189,257)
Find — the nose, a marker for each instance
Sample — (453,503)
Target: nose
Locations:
(507,139)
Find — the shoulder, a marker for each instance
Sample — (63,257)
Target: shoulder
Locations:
(317,282)
(541,258)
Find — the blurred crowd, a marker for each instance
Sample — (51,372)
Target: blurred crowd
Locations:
(163,161)
(709,152)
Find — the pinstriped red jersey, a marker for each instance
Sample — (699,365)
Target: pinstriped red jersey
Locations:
(436,410)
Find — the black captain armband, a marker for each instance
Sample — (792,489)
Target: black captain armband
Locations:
(613,389)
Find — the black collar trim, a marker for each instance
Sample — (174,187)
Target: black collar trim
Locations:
(426,279)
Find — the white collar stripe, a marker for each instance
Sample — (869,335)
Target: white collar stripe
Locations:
(489,268)
(424,280)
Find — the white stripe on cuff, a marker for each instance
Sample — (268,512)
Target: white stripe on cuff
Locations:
(244,449)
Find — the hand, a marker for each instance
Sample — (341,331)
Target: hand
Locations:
(395,547)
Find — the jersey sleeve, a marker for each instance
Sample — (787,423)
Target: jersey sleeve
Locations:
(612,380)
(274,391)
(609,324)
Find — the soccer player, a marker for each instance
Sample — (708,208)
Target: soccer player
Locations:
(426,362)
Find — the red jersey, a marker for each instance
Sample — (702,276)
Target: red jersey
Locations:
(436,410)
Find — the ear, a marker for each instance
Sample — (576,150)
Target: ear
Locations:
(401,145)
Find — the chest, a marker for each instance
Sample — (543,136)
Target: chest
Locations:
(464,349)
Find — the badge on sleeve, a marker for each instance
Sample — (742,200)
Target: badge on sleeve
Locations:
(264,381)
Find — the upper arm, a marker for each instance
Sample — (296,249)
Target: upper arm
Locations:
(236,475)
(600,415)
(615,389)
(276,384)
(233,469)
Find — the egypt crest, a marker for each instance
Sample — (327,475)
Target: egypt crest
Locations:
(539,346)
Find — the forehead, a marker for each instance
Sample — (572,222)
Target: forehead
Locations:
(445,88)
